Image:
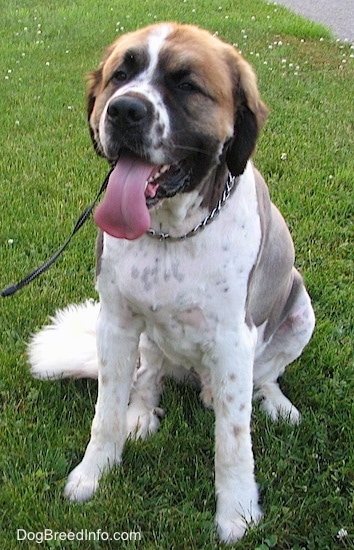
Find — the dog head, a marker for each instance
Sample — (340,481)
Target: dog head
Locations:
(171,104)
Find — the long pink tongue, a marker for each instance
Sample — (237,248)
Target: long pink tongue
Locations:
(123,212)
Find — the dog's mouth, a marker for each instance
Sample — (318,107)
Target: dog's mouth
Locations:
(134,187)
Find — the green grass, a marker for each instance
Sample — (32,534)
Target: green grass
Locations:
(49,173)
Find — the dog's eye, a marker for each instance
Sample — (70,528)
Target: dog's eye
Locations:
(187,86)
(120,76)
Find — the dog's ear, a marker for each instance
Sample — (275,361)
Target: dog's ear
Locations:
(93,85)
(250,115)
(93,82)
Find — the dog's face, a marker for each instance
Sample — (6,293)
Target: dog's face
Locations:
(175,102)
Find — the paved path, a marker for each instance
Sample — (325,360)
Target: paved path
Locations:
(338,15)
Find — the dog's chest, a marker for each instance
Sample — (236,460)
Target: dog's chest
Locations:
(180,295)
(167,281)
(186,292)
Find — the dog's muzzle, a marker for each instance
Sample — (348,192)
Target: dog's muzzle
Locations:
(137,183)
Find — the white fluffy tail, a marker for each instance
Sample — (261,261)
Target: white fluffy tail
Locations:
(67,347)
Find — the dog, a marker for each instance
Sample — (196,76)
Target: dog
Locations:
(195,265)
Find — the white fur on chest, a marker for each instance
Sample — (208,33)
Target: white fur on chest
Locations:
(186,291)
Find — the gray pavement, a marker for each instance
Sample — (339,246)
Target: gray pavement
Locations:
(338,15)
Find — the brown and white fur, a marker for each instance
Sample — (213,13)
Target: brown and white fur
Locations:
(225,307)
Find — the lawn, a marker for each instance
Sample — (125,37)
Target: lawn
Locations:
(49,173)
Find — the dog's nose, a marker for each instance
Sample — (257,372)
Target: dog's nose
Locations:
(127,111)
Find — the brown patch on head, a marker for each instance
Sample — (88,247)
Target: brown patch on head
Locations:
(197,51)
(98,79)
(135,43)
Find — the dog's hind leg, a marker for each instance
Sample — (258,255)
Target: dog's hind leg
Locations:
(285,346)
(143,416)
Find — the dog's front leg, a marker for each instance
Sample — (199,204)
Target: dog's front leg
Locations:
(117,346)
(231,368)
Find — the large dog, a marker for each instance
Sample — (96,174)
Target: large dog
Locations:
(195,264)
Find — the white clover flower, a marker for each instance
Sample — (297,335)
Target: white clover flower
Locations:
(342,533)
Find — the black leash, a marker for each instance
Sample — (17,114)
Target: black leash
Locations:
(10,290)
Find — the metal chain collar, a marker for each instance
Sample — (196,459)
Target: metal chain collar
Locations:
(229,187)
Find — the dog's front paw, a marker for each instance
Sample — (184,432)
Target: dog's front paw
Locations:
(83,481)
(80,486)
(142,423)
(230,530)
